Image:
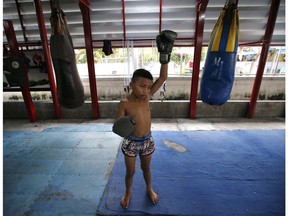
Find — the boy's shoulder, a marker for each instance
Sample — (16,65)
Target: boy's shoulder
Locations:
(123,100)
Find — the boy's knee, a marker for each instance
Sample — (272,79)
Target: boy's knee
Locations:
(145,168)
(130,173)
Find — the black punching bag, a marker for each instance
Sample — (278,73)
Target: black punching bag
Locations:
(70,90)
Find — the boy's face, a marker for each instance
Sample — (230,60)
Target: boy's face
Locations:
(141,87)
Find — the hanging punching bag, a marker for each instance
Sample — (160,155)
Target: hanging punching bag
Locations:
(70,90)
(218,74)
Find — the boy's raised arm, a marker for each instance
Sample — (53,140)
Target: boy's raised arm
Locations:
(162,77)
(165,43)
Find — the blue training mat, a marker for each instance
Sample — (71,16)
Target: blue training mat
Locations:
(206,173)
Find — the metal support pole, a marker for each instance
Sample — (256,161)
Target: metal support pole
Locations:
(85,10)
(263,56)
(124,20)
(14,51)
(21,22)
(198,39)
(160,15)
(47,56)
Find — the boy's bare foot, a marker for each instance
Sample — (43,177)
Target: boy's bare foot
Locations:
(125,200)
(153,196)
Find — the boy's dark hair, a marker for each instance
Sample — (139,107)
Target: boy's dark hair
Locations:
(142,73)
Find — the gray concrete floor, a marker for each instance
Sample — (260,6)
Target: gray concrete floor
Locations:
(172,124)
(61,167)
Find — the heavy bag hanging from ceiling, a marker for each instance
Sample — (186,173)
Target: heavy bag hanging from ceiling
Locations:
(218,74)
(70,90)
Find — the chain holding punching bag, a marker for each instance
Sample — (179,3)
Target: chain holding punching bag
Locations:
(70,90)
(218,74)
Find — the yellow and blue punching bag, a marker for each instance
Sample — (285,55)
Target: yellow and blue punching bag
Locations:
(218,74)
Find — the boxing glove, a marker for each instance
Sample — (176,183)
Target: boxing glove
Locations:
(124,126)
(165,43)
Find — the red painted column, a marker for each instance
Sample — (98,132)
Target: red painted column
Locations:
(21,23)
(198,39)
(124,20)
(263,57)
(160,15)
(14,51)
(47,56)
(84,6)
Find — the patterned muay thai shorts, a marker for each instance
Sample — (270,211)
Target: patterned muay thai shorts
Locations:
(133,146)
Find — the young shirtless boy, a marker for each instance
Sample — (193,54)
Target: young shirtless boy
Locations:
(140,142)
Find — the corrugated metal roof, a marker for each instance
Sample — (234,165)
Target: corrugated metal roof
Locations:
(142,20)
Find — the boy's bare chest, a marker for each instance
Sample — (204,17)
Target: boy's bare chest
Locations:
(139,109)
